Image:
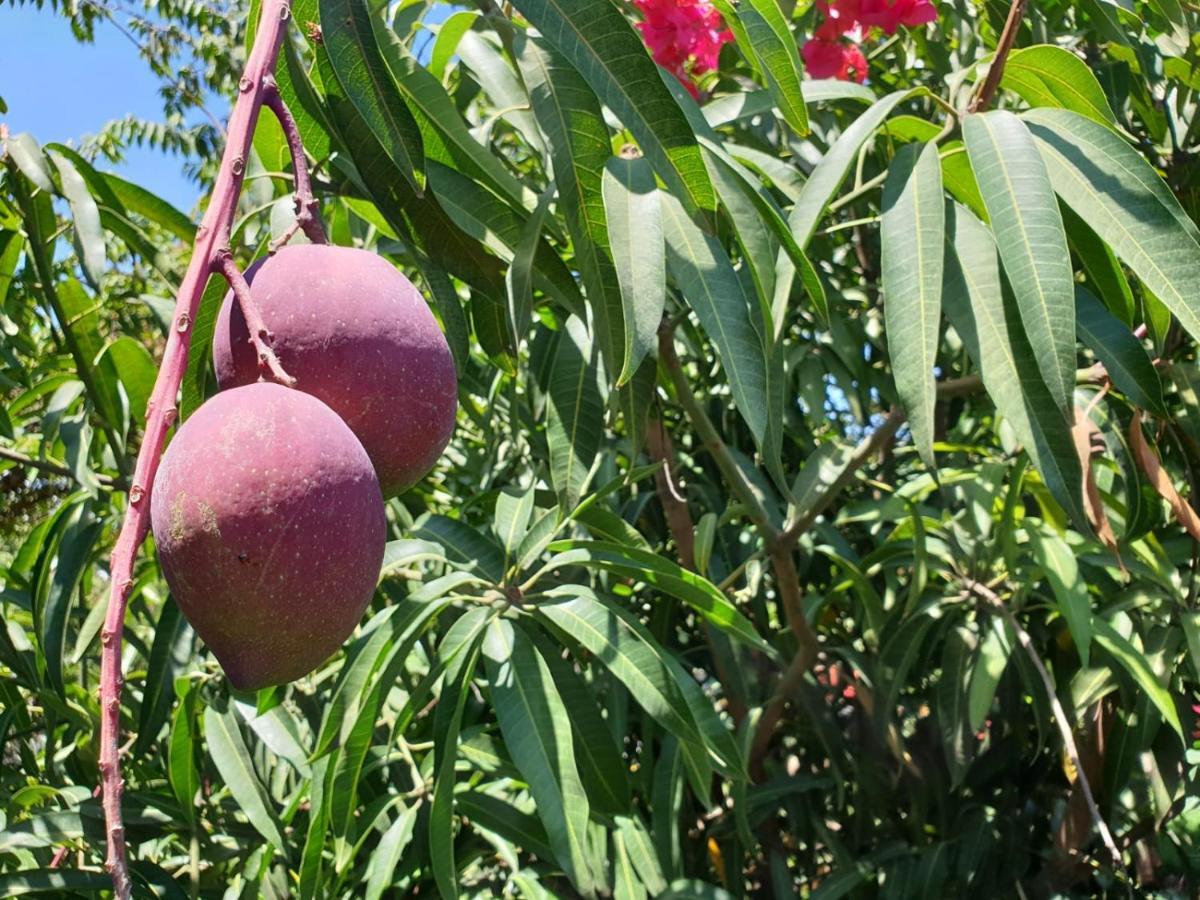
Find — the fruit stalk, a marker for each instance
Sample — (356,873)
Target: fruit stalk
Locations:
(212,240)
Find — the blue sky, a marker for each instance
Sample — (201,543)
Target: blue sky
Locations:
(67,89)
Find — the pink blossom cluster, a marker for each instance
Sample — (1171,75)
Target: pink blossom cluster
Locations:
(834,52)
(684,36)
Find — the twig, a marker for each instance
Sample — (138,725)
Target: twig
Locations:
(983,99)
(1060,715)
(260,336)
(47,465)
(211,237)
(306,203)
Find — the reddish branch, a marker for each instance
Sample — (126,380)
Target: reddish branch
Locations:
(260,336)
(210,249)
(306,202)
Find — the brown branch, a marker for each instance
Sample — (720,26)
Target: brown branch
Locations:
(983,99)
(212,238)
(306,203)
(1060,716)
(260,335)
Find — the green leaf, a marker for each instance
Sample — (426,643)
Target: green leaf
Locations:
(986,319)
(449,33)
(654,569)
(1123,355)
(1134,662)
(85,214)
(312,855)
(601,43)
(513,511)
(1124,201)
(138,200)
(1046,75)
(575,413)
(169,655)
(957,738)
(136,370)
(537,733)
(181,749)
(1058,562)
(464,545)
(459,653)
(913,248)
(827,177)
(26,153)
(507,95)
(642,854)
(519,279)
(1105,277)
(706,277)
(74,556)
(628,651)
(601,767)
(229,754)
(1029,233)
(382,864)
(731,107)
(349,39)
(63,882)
(571,118)
(772,44)
(633,209)
(992,660)
(195,380)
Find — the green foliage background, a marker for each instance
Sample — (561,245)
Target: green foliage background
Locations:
(764,560)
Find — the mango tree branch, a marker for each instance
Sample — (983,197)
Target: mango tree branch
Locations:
(48,465)
(306,203)
(987,90)
(260,336)
(211,238)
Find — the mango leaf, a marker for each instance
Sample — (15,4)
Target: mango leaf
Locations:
(232,759)
(25,152)
(986,318)
(136,370)
(654,569)
(570,115)
(1029,233)
(633,209)
(958,653)
(181,749)
(464,545)
(1134,662)
(1123,355)
(459,653)
(706,277)
(1120,196)
(85,215)
(513,511)
(537,733)
(992,660)
(169,655)
(601,43)
(913,248)
(825,180)
(628,651)
(449,33)
(575,413)
(349,39)
(1061,569)
(1046,75)
(767,40)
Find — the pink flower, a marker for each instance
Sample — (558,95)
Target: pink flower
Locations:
(834,59)
(841,17)
(891,14)
(681,31)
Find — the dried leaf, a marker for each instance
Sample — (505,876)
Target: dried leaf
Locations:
(1147,459)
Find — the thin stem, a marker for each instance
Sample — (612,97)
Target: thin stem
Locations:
(211,238)
(306,204)
(47,465)
(1060,716)
(260,336)
(987,91)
